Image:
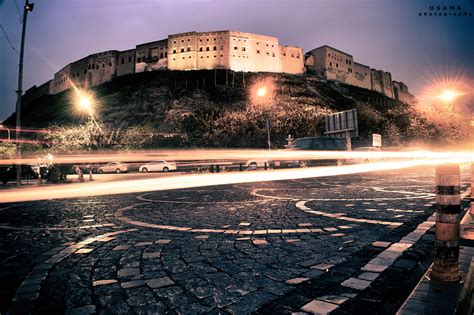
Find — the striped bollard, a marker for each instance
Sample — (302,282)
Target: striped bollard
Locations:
(472,189)
(447,229)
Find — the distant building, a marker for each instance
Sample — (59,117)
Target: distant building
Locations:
(332,64)
(233,50)
(237,51)
(151,56)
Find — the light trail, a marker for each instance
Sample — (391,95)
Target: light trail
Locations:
(192,181)
(211,156)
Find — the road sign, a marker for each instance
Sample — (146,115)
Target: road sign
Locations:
(376,140)
(338,124)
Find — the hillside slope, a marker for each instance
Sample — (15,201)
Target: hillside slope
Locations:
(209,112)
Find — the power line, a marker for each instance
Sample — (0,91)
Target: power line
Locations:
(19,12)
(8,39)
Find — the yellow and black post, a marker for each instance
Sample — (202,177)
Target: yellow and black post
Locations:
(447,229)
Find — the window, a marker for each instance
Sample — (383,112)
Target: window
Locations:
(207,48)
(182,41)
(189,57)
(85,71)
(284,54)
(298,56)
(273,54)
(337,65)
(166,55)
(139,59)
(207,39)
(222,56)
(174,51)
(235,47)
(330,64)
(110,64)
(161,55)
(182,49)
(123,60)
(215,48)
(221,47)
(200,39)
(200,48)
(189,39)
(129,59)
(89,67)
(258,51)
(243,48)
(189,48)
(201,57)
(183,57)
(174,42)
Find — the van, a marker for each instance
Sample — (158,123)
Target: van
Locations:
(319,144)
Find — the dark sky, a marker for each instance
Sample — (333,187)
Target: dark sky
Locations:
(384,34)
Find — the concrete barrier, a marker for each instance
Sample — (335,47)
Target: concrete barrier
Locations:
(447,229)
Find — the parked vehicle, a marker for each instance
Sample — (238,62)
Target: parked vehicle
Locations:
(318,144)
(113,167)
(157,166)
(367,159)
(8,173)
(258,163)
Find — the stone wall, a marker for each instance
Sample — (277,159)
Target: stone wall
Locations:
(151,56)
(126,62)
(362,76)
(292,59)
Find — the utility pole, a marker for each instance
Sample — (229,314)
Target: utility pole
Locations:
(28,7)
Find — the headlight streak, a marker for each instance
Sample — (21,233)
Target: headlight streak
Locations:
(88,189)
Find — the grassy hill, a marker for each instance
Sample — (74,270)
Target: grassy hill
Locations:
(219,109)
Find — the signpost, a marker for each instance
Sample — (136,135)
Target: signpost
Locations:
(376,140)
(343,125)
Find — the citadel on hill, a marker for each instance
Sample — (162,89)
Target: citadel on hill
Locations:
(232,50)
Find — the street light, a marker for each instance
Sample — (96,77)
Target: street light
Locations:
(7,129)
(27,8)
(264,96)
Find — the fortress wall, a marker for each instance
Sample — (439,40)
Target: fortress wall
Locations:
(292,59)
(361,76)
(151,56)
(126,62)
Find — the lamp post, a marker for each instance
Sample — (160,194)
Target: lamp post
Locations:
(8,131)
(261,94)
(28,7)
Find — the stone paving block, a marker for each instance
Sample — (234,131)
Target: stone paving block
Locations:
(128,272)
(335,299)
(103,282)
(369,276)
(151,255)
(293,240)
(312,273)
(382,261)
(243,239)
(260,242)
(323,266)
(319,307)
(274,231)
(121,247)
(244,223)
(381,244)
(316,230)
(356,284)
(202,237)
(337,234)
(304,224)
(144,244)
(84,310)
(105,239)
(132,284)
(373,268)
(330,229)
(84,251)
(296,280)
(159,282)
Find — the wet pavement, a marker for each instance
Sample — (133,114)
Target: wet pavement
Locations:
(343,244)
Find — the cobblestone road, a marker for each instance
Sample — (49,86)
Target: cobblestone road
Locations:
(275,247)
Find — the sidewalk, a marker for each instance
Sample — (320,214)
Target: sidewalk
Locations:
(435,297)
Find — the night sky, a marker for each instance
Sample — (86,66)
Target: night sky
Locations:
(383,34)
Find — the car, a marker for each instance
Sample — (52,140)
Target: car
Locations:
(258,163)
(368,158)
(8,173)
(157,166)
(113,167)
(318,144)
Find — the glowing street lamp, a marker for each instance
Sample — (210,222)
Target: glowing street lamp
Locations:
(8,131)
(261,94)
(448,96)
